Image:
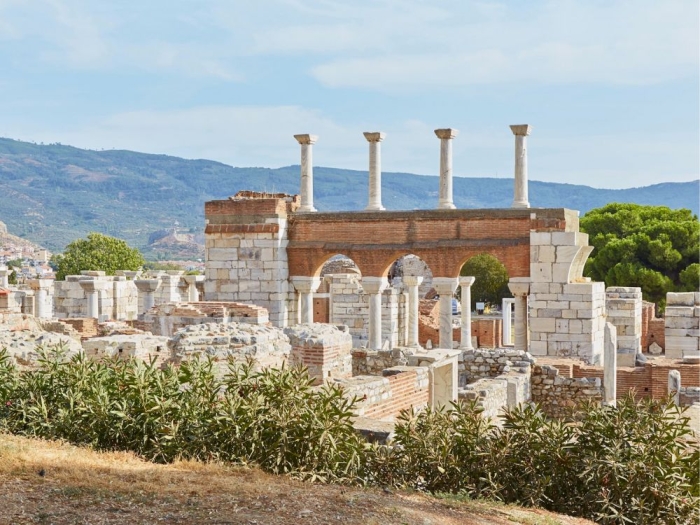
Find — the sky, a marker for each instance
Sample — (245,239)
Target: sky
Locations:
(610,88)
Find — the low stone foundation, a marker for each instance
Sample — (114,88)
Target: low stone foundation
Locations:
(558,395)
(324,349)
(142,346)
(491,396)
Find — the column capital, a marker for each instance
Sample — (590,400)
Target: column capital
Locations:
(193,279)
(303,284)
(373,285)
(306,139)
(92,285)
(374,136)
(147,285)
(412,280)
(446,133)
(521,129)
(445,285)
(519,286)
(40,284)
(466,280)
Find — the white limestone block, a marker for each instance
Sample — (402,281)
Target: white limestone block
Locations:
(541,272)
(564,238)
(540,238)
(543,325)
(679,311)
(680,299)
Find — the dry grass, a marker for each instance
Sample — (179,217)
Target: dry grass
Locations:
(52,483)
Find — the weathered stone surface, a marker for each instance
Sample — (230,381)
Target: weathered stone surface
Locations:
(22,335)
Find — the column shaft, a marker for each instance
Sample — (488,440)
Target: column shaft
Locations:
(375,171)
(149,301)
(521,332)
(520,190)
(375,321)
(445,287)
(466,335)
(412,284)
(92,305)
(307,307)
(445,193)
(307,172)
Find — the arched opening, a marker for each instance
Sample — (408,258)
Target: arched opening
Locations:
(491,317)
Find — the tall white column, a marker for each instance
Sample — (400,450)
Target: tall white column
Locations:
(92,289)
(610,365)
(5,276)
(445,196)
(507,308)
(147,289)
(445,287)
(374,286)
(466,293)
(520,287)
(520,197)
(307,172)
(412,282)
(192,292)
(41,289)
(306,286)
(375,170)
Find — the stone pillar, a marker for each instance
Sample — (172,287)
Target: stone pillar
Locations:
(307,172)
(610,365)
(520,197)
(92,288)
(445,195)
(374,286)
(507,308)
(446,287)
(192,292)
(674,385)
(147,289)
(5,276)
(375,170)
(306,286)
(466,292)
(28,303)
(41,289)
(412,282)
(520,288)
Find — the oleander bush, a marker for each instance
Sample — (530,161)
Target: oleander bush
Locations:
(636,463)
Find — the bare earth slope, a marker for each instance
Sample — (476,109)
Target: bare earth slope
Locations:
(46,482)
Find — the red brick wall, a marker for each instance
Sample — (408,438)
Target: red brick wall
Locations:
(86,326)
(649,381)
(404,395)
(657,333)
(321,310)
(444,239)
(489,332)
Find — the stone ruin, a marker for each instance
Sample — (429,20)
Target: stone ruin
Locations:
(273,272)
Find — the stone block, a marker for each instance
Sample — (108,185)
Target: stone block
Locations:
(680,299)
(564,238)
(676,344)
(543,325)
(541,272)
(540,238)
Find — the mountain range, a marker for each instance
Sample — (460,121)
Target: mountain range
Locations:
(52,194)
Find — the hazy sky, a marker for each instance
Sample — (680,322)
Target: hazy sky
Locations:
(610,88)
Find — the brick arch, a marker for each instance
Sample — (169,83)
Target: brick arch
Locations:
(506,259)
(322,258)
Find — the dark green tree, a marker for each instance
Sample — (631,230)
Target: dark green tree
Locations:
(653,247)
(491,279)
(97,252)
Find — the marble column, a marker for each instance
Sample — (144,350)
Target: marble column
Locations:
(520,288)
(520,197)
(170,286)
(92,288)
(192,292)
(507,309)
(610,365)
(466,293)
(374,286)
(147,289)
(375,170)
(445,195)
(674,386)
(41,289)
(306,286)
(412,282)
(5,276)
(445,287)
(307,172)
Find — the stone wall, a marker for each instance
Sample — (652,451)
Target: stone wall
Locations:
(325,350)
(682,322)
(266,346)
(624,308)
(491,396)
(349,305)
(567,313)
(140,346)
(558,395)
(384,397)
(368,362)
(166,319)
(86,326)
(117,300)
(688,395)
(246,253)
(480,364)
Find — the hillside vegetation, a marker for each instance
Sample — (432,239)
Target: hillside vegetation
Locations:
(53,194)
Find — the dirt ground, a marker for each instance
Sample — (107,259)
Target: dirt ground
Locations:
(51,483)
